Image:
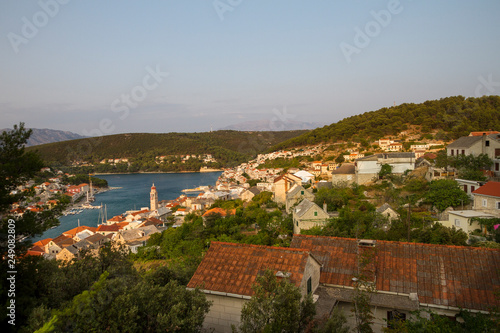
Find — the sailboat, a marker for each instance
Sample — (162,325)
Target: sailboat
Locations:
(90,192)
(103,216)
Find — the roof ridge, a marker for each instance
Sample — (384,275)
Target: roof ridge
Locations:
(262,246)
(398,242)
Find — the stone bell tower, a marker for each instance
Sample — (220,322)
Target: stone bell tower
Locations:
(153,198)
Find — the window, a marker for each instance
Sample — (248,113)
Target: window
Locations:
(457,223)
(487,143)
(315,213)
(472,188)
(498,204)
(497,166)
(485,203)
(452,152)
(393,316)
(301,192)
(309,286)
(463,152)
(465,188)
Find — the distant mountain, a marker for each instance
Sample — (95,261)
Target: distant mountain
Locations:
(269,125)
(41,136)
(450,118)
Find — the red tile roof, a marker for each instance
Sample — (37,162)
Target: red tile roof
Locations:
(490,189)
(117,218)
(140,212)
(74,231)
(108,228)
(42,242)
(483,133)
(455,276)
(35,251)
(60,238)
(220,211)
(233,268)
(122,225)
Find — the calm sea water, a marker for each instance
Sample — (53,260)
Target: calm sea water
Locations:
(133,194)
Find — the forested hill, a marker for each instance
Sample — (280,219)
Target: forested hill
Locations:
(228,147)
(454,116)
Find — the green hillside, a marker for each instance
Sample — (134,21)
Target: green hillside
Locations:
(228,147)
(454,116)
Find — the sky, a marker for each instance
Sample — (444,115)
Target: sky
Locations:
(108,67)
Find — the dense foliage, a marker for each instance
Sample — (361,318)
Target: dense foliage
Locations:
(259,222)
(357,217)
(104,293)
(444,193)
(276,306)
(229,148)
(428,321)
(452,116)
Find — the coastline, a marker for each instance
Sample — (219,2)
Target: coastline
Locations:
(152,172)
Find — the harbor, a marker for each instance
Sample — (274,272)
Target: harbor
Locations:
(128,192)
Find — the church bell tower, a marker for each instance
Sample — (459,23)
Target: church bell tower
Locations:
(154,198)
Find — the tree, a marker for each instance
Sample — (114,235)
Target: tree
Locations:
(470,166)
(385,170)
(124,305)
(428,321)
(16,167)
(444,193)
(363,290)
(337,323)
(276,306)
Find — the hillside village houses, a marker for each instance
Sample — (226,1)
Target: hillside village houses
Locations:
(478,143)
(406,276)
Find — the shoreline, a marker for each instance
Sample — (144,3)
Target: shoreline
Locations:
(152,172)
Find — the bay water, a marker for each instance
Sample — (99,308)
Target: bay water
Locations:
(132,193)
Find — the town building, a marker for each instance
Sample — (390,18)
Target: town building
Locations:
(463,220)
(282,185)
(296,194)
(153,198)
(488,144)
(368,167)
(487,198)
(228,271)
(307,215)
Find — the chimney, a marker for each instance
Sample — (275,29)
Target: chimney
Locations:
(483,143)
(325,207)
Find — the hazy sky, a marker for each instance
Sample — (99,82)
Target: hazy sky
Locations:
(110,67)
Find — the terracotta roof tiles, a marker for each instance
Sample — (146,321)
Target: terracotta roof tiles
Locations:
(76,230)
(42,242)
(233,268)
(108,228)
(490,188)
(456,276)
